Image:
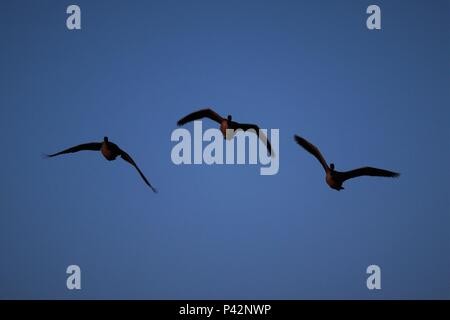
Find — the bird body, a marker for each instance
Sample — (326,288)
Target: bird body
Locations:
(223,128)
(332,181)
(334,178)
(109,150)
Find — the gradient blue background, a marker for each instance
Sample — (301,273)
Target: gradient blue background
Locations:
(377,98)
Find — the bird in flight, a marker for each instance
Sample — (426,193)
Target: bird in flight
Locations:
(109,150)
(225,123)
(334,178)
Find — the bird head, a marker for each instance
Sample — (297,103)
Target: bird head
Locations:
(229,118)
(105,139)
(332,166)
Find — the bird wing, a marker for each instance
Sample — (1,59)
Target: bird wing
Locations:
(312,149)
(93,146)
(204,113)
(368,171)
(261,135)
(125,156)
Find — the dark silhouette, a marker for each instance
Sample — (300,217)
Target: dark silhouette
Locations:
(109,150)
(225,123)
(335,178)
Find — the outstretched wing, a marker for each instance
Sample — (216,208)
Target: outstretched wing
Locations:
(261,135)
(311,149)
(93,146)
(125,156)
(368,171)
(204,113)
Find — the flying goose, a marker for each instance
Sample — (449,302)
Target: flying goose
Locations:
(109,150)
(335,178)
(225,123)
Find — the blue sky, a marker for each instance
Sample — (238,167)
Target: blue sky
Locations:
(378,98)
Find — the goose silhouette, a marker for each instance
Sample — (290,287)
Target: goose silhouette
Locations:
(109,150)
(225,123)
(334,178)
